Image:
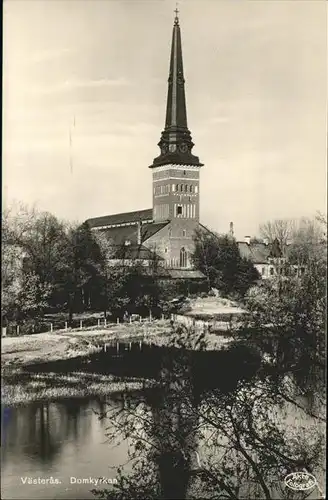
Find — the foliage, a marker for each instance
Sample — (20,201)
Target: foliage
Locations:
(291,312)
(253,432)
(219,259)
(24,298)
(244,437)
(79,266)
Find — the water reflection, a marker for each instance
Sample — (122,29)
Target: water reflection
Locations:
(59,439)
(189,412)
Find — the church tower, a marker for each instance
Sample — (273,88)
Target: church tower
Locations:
(176,170)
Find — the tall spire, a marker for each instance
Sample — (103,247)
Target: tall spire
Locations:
(176,142)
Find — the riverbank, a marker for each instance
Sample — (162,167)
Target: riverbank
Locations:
(19,385)
(45,347)
(22,384)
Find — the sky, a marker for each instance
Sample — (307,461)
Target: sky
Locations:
(256,89)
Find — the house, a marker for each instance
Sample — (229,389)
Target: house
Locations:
(268,258)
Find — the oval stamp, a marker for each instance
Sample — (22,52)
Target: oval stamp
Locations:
(300,481)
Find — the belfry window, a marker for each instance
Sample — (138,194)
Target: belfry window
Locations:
(179,210)
(186,188)
(183,257)
(191,188)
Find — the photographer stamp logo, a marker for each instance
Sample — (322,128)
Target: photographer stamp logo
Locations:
(300,481)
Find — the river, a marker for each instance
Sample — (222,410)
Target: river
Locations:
(64,440)
(58,449)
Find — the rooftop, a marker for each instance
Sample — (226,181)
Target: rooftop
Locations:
(123,218)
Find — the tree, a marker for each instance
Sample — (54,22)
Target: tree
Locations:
(37,240)
(280,229)
(291,313)
(30,247)
(248,446)
(63,259)
(79,267)
(308,242)
(250,442)
(219,259)
(23,297)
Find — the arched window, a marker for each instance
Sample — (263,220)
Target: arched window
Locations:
(183,257)
(191,188)
(186,188)
(177,187)
(181,187)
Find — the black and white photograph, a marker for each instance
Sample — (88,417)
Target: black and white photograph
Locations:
(164,250)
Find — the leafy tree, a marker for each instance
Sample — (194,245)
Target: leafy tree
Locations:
(79,267)
(291,313)
(226,441)
(219,259)
(253,432)
(63,259)
(24,298)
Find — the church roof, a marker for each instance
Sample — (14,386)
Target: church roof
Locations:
(123,218)
(129,233)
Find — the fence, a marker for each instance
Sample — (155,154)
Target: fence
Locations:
(49,326)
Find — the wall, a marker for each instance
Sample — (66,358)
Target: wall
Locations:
(168,241)
(167,192)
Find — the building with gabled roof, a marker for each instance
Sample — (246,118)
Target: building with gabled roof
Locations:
(268,258)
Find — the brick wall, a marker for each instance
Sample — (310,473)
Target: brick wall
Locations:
(168,241)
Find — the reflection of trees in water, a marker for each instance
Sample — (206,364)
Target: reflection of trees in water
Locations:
(76,424)
(244,452)
(39,430)
(31,432)
(163,433)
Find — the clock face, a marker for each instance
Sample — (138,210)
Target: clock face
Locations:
(172,148)
(183,147)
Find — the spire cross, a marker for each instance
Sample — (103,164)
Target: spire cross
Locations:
(176,13)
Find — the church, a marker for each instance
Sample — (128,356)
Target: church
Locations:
(168,227)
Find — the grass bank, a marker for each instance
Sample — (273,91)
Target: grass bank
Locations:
(19,354)
(44,347)
(20,386)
